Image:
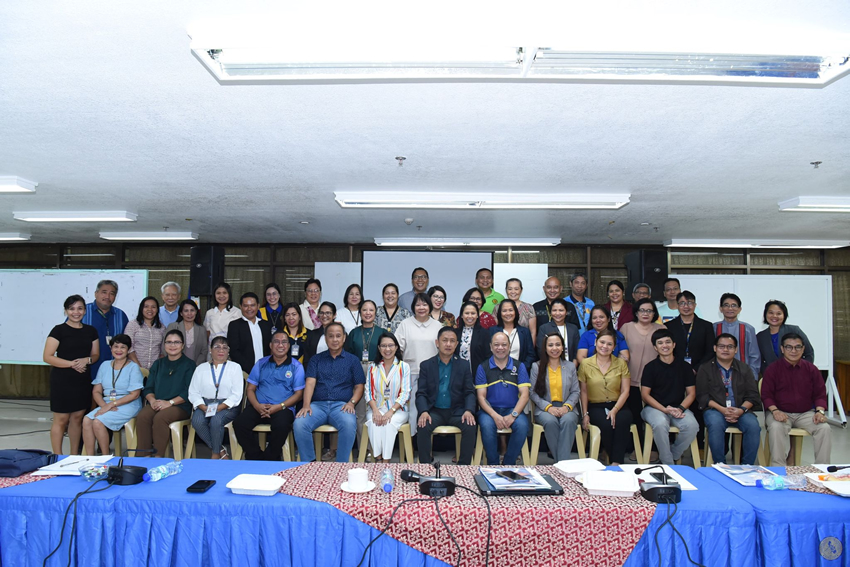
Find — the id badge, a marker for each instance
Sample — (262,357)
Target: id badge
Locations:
(728,403)
(294,350)
(274,330)
(108,339)
(113,395)
(387,393)
(606,412)
(688,359)
(211,410)
(365,356)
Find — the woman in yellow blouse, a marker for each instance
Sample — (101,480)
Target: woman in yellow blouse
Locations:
(555,393)
(604,380)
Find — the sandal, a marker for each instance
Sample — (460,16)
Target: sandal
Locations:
(223,454)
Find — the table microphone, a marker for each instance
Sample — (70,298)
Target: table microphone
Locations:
(663,472)
(408,475)
(833,468)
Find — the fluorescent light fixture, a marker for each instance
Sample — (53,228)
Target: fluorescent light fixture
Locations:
(162,235)
(461,241)
(472,201)
(14,236)
(75,216)
(816,205)
(723,243)
(11,184)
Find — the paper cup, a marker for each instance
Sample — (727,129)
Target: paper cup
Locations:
(358,479)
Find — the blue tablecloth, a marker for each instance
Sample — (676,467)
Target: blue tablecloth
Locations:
(791,524)
(162,524)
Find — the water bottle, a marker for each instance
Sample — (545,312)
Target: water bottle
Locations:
(387,481)
(782,482)
(162,471)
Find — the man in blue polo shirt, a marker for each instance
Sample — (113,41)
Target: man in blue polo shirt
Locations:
(275,385)
(108,320)
(334,384)
(502,388)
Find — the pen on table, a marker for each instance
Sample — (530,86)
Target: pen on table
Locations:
(72,463)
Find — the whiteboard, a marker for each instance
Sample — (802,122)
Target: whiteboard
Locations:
(31,303)
(454,271)
(808,298)
(335,278)
(532,276)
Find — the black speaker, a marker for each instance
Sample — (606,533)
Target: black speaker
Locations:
(649,267)
(207,269)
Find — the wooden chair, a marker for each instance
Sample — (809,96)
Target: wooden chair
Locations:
(449,430)
(647,447)
(405,444)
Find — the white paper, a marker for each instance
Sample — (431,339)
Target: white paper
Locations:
(70,465)
(671,472)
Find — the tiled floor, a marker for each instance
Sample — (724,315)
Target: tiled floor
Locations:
(24,424)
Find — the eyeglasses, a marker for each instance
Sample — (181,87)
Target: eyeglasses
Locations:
(391,345)
(280,343)
(646,311)
(220,347)
(726,347)
(729,305)
(794,348)
(173,343)
(326,313)
(438,297)
(686,303)
(313,291)
(420,277)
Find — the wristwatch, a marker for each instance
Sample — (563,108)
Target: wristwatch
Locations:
(681,408)
(822,412)
(514,414)
(282,405)
(745,410)
(171,402)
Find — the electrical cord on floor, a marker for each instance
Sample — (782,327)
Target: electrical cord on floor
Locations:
(669,520)
(74,522)
(30,406)
(489,522)
(24,433)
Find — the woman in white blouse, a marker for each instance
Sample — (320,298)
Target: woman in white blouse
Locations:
(387,393)
(215,394)
(417,338)
(349,315)
(219,317)
(310,307)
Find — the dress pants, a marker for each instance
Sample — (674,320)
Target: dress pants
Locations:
(383,437)
(780,440)
(440,417)
(614,439)
(560,432)
(152,428)
(281,425)
(211,429)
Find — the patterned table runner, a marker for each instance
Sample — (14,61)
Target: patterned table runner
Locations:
(6,482)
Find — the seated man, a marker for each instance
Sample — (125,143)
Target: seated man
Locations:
(334,384)
(728,395)
(668,389)
(502,386)
(446,396)
(275,385)
(790,389)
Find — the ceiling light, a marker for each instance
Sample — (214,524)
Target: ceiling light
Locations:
(723,243)
(816,205)
(472,201)
(11,184)
(460,241)
(163,235)
(14,236)
(75,216)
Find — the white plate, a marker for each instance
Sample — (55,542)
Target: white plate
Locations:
(369,487)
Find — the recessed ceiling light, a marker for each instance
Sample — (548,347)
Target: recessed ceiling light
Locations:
(163,235)
(815,205)
(75,216)
(460,241)
(14,236)
(305,222)
(473,201)
(11,184)
(725,243)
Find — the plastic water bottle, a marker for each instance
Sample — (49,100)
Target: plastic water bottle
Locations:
(162,471)
(783,482)
(387,480)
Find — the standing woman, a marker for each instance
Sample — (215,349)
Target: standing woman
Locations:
(527,316)
(146,334)
(167,393)
(217,319)
(604,381)
(362,342)
(417,338)
(775,315)
(215,393)
(310,307)
(71,348)
(473,340)
(558,310)
(387,393)
(599,319)
(390,314)
(620,309)
(438,301)
(519,338)
(272,310)
(349,315)
(295,330)
(638,335)
(485,319)
(116,392)
(316,338)
(195,346)
(555,395)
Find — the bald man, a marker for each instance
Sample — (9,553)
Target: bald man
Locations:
(552,288)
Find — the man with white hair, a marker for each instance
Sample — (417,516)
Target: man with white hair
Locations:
(170,303)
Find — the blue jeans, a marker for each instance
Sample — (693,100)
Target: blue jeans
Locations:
(325,413)
(489,437)
(749,426)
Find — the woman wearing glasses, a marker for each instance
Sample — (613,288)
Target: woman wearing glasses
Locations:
(215,393)
(438,301)
(770,339)
(388,394)
(166,393)
(310,307)
(316,338)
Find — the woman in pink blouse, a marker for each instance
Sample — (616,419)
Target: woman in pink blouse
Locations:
(146,333)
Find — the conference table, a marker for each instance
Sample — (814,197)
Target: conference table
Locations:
(161,524)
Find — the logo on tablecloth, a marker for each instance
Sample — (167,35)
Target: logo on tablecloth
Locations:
(830,548)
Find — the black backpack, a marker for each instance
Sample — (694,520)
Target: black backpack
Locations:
(15,462)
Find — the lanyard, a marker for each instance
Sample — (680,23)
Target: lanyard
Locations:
(216,383)
(688,340)
(106,320)
(114,377)
(367,342)
(353,316)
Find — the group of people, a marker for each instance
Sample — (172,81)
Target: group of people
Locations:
(500,365)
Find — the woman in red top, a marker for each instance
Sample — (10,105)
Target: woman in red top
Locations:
(621,310)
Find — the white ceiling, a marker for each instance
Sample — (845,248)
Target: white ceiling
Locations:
(103,105)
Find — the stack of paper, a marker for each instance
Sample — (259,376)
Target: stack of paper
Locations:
(70,465)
